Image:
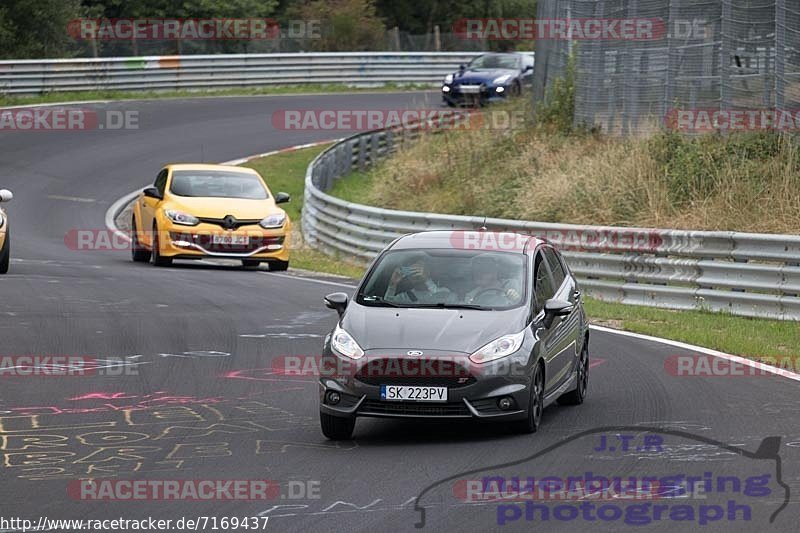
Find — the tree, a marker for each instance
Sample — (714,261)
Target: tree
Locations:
(418,17)
(31,29)
(346,25)
(183,9)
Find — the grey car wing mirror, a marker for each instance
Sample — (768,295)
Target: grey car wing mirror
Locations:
(554,308)
(336,301)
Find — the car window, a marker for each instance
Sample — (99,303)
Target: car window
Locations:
(542,284)
(527,61)
(495,61)
(217,184)
(430,277)
(555,267)
(161,181)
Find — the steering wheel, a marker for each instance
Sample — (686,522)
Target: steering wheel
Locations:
(480,294)
(406,284)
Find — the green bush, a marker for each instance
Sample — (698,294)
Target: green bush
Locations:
(558,109)
(699,167)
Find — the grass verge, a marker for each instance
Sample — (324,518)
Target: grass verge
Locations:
(741,182)
(749,337)
(753,338)
(286,172)
(57,97)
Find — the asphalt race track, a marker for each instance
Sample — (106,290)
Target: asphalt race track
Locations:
(197,399)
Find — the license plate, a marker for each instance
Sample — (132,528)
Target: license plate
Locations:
(470,89)
(230,239)
(413,394)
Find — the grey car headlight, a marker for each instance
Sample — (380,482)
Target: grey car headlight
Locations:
(498,348)
(343,343)
(501,79)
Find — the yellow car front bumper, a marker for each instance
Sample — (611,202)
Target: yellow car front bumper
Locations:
(207,240)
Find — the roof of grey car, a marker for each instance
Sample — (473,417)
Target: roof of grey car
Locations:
(499,241)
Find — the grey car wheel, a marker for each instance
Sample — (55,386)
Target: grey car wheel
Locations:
(535,402)
(578,394)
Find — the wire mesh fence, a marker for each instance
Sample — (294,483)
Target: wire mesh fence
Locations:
(703,65)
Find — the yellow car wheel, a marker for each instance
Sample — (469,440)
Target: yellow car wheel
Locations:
(138,253)
(5,254)
(157,259)
(278,266)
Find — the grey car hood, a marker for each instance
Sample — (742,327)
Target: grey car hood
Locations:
(452,330)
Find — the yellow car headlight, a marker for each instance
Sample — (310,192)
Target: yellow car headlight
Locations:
(183,219)
(273,221)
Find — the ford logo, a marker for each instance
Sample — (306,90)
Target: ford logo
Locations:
(413,352)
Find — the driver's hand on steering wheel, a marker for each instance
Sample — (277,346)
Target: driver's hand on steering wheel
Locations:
(512,294)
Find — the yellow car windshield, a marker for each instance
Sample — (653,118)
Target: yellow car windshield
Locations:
(217,184)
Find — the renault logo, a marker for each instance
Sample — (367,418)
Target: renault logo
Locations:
(414,352)
(229,222)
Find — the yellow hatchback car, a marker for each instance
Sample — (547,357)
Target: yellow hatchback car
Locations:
(197,211)
(5,237)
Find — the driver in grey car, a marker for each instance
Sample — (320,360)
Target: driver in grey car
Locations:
(489,286)
(412,284)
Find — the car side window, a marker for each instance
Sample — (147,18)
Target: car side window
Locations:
(527,61)
(542,284)
(161,181)
(555,267)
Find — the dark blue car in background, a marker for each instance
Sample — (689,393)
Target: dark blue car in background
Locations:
(488,78)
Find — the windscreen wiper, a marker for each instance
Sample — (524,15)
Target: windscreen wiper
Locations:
(443,305)
(379,300)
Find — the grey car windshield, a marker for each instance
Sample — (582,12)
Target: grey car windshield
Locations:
(495,61)
(217,184)
(470,279)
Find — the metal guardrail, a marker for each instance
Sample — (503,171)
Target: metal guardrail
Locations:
(221,71)
(742,273)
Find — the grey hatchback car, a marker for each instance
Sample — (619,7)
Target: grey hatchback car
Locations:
(456,324)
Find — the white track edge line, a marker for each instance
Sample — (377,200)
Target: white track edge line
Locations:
(312,280)
(707,351)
